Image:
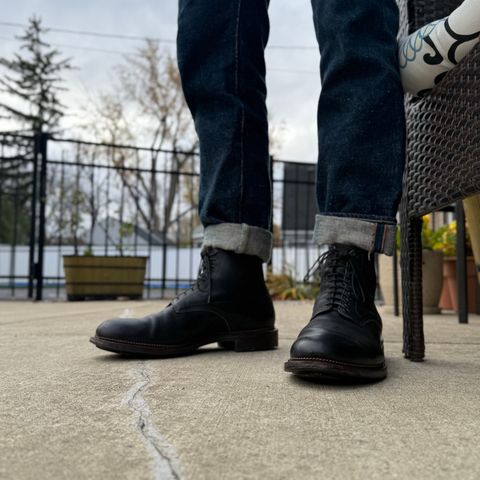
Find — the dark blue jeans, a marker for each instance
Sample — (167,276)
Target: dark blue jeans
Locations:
(361,124)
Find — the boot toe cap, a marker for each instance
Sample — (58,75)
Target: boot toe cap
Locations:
(120,329)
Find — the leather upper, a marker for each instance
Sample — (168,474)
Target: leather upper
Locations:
(229,295)
(345,325)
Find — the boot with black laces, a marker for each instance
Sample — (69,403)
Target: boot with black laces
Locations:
(343,340)
(229,304)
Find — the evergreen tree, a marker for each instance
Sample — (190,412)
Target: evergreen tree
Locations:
(15,189)
(31,84)
(33,81)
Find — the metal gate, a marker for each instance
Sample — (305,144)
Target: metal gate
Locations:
(66,196)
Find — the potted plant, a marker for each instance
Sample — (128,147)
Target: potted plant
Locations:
(285,287)
(447,242)
(432,269)
(105,277)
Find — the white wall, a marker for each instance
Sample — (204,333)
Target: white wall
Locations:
(181,263)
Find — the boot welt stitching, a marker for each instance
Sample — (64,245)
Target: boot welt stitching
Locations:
(128,342)
(337,362)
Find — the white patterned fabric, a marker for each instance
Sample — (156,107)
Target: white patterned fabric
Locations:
(428,54)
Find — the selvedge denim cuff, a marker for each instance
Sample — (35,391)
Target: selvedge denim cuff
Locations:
(368,235)
(239,238)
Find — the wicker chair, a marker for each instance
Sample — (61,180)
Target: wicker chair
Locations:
(443,160)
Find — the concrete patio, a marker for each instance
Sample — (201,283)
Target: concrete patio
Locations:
(69,410)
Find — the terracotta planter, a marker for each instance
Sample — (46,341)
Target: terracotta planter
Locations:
(432,281)
(385,277)
(101,277)
(449,298)
(472,214)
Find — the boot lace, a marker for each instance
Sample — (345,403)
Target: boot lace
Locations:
(204,270)
(338,277)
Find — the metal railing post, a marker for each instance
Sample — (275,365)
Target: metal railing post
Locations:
(33,217)
(396,296)
(43,139)
(462,286)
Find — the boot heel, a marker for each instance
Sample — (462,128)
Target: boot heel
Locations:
(251,342)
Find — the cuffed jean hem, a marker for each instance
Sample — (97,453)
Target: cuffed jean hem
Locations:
(368,235)
(239,238)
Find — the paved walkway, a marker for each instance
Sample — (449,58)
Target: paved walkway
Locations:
(70,411)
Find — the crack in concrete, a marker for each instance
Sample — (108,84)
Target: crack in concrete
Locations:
(163,453)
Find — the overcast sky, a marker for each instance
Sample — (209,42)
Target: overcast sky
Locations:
(292,96)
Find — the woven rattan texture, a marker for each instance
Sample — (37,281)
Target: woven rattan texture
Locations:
(443,155)
(403,6)
(443,128)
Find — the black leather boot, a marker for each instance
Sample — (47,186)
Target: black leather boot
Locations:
(228,304)
(343,340)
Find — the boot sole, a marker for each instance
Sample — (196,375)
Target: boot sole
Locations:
(248,341)
(325,369)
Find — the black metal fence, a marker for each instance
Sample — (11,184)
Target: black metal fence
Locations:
(62,197)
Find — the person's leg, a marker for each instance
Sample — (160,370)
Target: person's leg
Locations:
(361,130)
(361,123)
(221,47)
(221,59)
